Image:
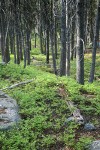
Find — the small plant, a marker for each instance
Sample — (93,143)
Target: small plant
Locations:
(83,143)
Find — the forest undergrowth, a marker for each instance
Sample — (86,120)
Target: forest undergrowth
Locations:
(44,111)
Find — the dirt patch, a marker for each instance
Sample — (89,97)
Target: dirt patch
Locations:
(81,132)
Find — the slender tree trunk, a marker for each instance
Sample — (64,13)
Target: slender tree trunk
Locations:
(55,38)
(55,29)
(25,51)
(2,41)
(91,19)
(35,39)
(3,30)
(63,39)
(7,54)
(47,45)
(11,37)
(14,49)
(80,38)
(41,29)
(68,39)
(85,22)
(17,26)
(52,36)
(72,40)
(41,39)
(28,46)
(18,50)
(11,43)
(20,46)
(96,34)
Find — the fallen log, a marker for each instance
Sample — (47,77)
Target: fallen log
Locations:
(17,84)
(75,113)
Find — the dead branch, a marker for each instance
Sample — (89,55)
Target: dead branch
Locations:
(17,84)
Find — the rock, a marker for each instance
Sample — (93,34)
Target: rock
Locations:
(80,122)
(95,145)
(89,127)
(2,63)
(70,119)
(8,112)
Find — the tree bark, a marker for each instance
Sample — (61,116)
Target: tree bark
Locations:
(55,29)
(80,44)
(41,29)
(35,39)
(52,36)
(63,39)
(68,39)
(96,34)
(47,45)
(72,39)
(28,46)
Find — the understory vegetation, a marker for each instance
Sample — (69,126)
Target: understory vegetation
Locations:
(43,110)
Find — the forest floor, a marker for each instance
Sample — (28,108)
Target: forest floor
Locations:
(43,109)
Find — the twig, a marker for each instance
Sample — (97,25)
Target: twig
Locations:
(17,84)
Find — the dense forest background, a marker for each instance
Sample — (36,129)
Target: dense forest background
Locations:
(65,28)
(49,55)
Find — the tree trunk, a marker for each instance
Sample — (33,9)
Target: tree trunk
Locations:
(52,36)
(68,39)
(25,51)
(7,54)
(41,39)
(2,30)
(2,41)
(72,40)
(85,22)
(28,46)
(63,40)
(47,45)
(20,46)
(55,34)
(18,50)
(41,29)
(80,38)
(35,39)
(96,32)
